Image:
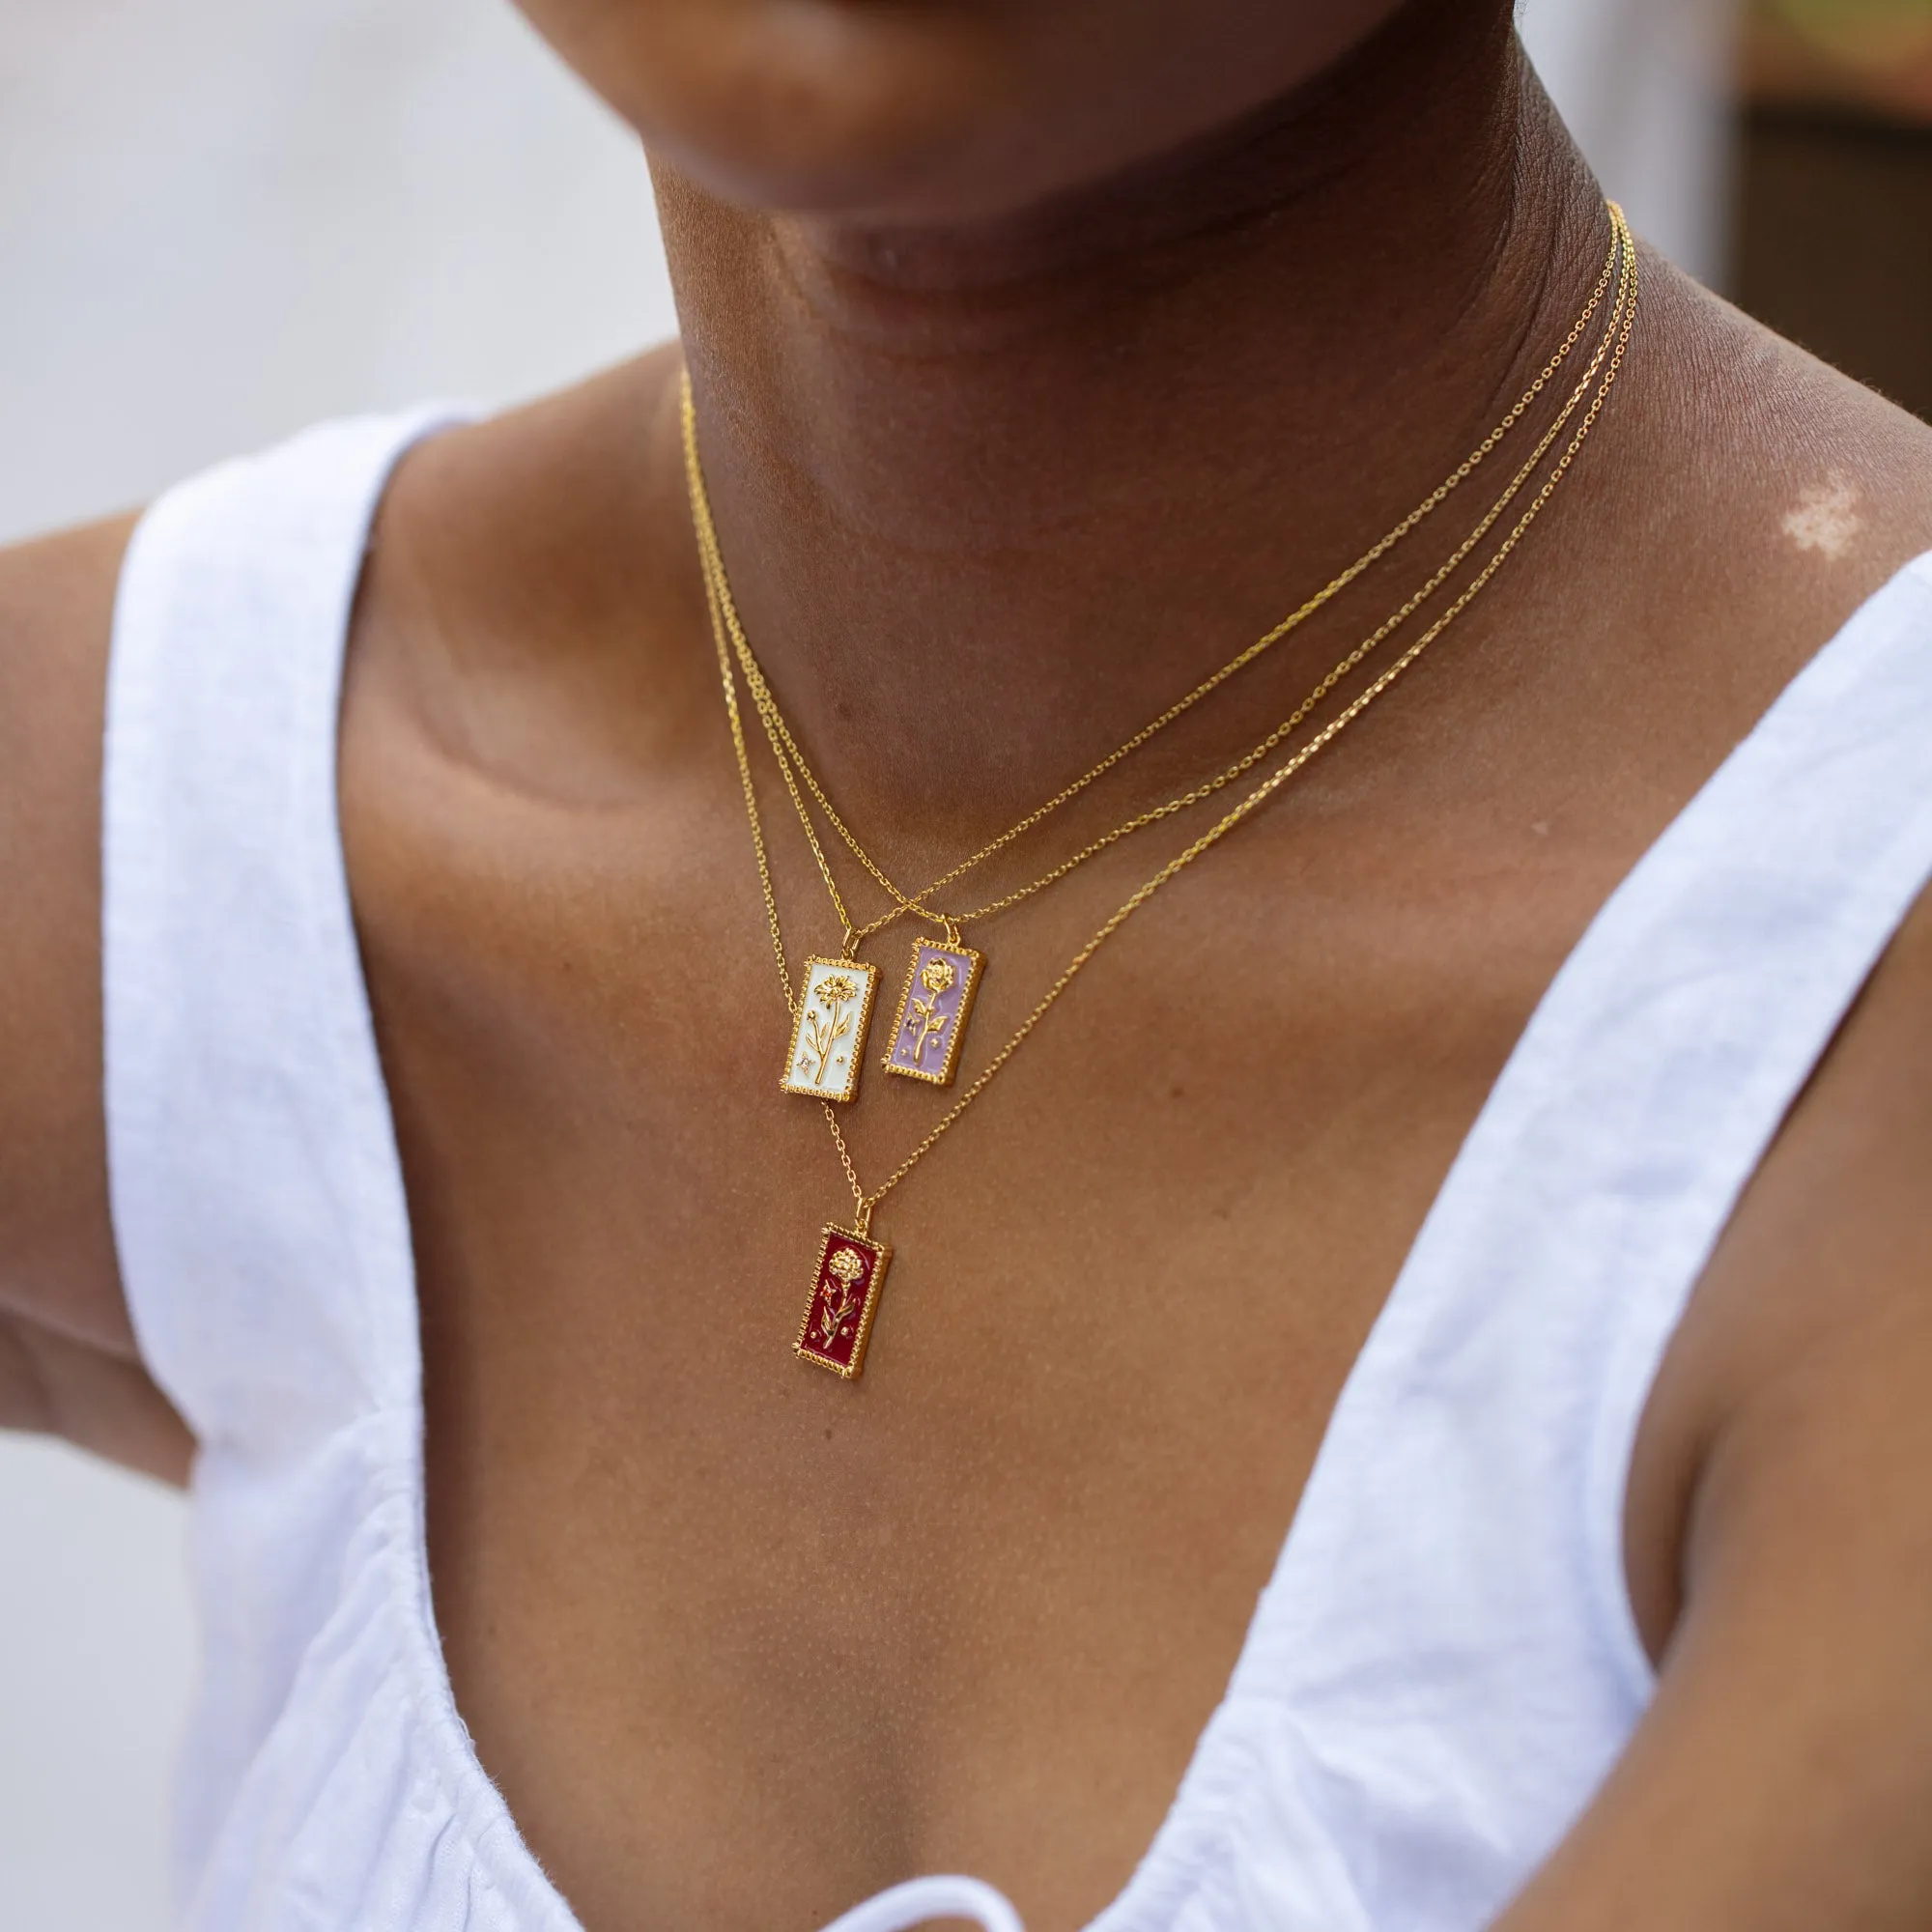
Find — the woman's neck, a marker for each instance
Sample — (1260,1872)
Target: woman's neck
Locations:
(991,499)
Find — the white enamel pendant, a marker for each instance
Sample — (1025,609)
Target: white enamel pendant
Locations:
(828,1035)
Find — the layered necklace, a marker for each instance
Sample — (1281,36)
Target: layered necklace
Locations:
(831,1003)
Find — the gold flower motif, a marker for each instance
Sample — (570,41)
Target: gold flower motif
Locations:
(819,1034)
(846,1264)
(937,975)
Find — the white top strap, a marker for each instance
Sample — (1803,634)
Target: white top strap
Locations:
(245,1187)
(1445,1664)
(920,1900)
(1675,1040)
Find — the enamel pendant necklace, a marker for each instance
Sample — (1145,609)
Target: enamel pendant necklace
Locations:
(832,1006)
(927,1037)
(834,1012)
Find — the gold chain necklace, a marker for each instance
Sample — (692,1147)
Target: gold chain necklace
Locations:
(851,1266)
(825,1055)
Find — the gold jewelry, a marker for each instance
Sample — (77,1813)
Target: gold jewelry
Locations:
(791,760)
(851,1268)
(906,1056)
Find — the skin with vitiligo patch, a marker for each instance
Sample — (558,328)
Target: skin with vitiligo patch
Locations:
(1826,518)
(1045,355)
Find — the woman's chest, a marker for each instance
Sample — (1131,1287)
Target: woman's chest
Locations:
(728,1628)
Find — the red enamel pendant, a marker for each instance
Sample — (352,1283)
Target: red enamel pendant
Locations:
(844,1298)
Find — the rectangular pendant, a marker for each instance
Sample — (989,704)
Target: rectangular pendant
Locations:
(828,1037)
(933,1008)
(844,1298)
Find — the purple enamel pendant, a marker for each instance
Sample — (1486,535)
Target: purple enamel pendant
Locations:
(933,1008)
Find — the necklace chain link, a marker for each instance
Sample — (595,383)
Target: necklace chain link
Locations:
(1603,369)
(794,768)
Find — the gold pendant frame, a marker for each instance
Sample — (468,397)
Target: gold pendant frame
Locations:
(955,1033)
(827,1018)
(848,1363)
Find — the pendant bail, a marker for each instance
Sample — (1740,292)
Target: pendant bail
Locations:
(861,1224)
(850,950)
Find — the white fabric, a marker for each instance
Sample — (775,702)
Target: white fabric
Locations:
(921,1899)
(1444,1663)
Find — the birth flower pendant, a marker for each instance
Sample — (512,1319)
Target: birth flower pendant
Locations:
(844,1298)
(938,997)
(828,1035)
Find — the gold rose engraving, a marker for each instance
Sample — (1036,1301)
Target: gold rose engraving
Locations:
(839,1300)
(846,1277)
(923,1019)
(934,1001)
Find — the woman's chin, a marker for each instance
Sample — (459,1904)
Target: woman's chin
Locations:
(878,110)
(806,105)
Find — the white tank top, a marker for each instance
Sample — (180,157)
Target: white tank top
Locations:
(1444,1664)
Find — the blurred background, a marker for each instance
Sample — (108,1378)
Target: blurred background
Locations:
(222,219)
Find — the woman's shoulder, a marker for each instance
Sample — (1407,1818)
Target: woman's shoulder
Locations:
(1791,478)
(533,578)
